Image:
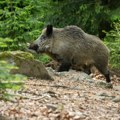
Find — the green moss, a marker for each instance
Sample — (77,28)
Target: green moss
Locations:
(16,54)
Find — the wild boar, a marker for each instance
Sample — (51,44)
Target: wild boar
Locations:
(72,47)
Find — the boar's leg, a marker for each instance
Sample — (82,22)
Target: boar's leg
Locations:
(87,69)
(105,72)
(65,66)
(107,76)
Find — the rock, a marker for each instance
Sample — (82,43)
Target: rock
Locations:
(76,117)
(103,94)
(91,81)
(53,116)
(81,76)
(10,56)
(117,88)
(51,106)
(31,68)
(84,76)
(79,116)
(26,64)
(54,73)
(100,98)
(109,85)
(116,99)
(104,84)
(71,114)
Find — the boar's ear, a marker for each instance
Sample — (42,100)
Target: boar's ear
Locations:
(49,30)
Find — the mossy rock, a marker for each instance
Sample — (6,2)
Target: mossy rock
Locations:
(26,64)
(7,55)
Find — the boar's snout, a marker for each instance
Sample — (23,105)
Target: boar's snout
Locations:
(34,47)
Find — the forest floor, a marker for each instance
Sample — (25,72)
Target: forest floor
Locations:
(71,96)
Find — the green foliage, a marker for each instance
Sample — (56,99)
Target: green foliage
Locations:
(85,14)
(43,58)
(20,21)
(115,14)
(112,40)
(9,81)
(7,44)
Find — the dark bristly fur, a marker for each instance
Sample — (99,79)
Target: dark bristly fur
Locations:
(72,47)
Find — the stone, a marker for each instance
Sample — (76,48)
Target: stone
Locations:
(100,97)
(71,114)
(31,68)
(116,99)
(80,77)
(103,94)
(104,84)
(117,88)
(79,116)
(51,106)
(26,64)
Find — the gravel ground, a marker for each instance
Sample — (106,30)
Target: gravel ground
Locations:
(71,96)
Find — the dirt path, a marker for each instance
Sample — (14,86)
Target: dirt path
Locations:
(71,96)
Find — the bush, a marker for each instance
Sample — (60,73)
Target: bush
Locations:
(112,40)
(8,44)
(9,81)
(20,21)
(83,13)
(43,58)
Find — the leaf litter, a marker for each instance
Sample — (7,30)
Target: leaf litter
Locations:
(71,96)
